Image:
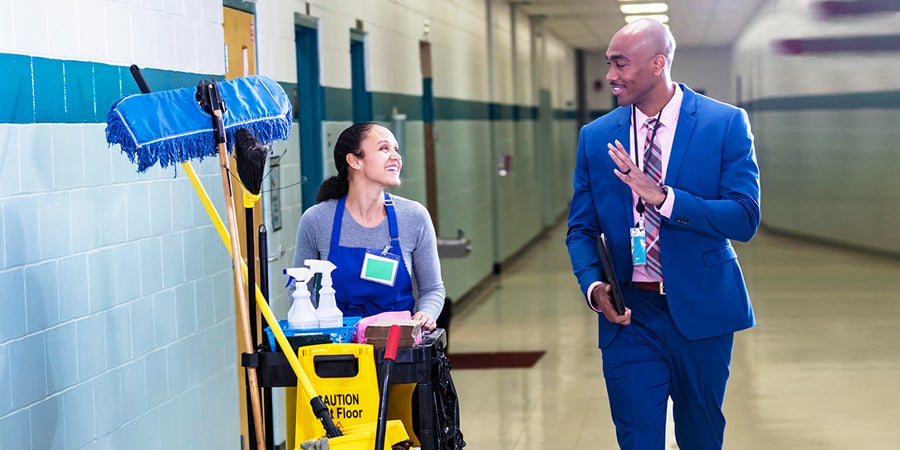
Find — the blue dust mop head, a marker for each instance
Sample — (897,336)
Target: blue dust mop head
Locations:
(171,127)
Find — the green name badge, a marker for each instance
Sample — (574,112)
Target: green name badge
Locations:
(380,268)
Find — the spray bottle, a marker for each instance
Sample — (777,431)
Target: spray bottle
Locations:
(329,314)
(302,314)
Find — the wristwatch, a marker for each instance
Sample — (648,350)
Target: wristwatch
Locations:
(665,191)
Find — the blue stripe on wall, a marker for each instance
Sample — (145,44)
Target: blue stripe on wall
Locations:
(44,90)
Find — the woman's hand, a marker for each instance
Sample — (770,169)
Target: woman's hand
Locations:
(427,322)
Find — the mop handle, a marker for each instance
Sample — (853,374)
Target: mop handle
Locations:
(390,354)
(315,400)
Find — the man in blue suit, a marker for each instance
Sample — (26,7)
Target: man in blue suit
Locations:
(670,178)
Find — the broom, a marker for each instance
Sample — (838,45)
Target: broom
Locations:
(250,156)
(179,131)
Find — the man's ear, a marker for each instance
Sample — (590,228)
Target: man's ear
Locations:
(659,63)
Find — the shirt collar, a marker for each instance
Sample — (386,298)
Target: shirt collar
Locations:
(669,112)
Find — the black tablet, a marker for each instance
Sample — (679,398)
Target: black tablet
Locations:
(615,293)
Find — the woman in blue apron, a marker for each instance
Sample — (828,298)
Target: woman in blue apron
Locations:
(379,242)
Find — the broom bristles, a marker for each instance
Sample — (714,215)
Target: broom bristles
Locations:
(250,156)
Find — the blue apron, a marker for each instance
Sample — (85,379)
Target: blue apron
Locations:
(363,298)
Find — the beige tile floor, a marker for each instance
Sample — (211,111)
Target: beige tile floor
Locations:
(821,370)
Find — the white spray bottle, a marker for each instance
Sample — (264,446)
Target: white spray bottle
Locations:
(329,314)
(302,314)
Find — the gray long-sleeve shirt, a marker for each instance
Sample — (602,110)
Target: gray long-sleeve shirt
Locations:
(417,243)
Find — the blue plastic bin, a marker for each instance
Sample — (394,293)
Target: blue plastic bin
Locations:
(340,335)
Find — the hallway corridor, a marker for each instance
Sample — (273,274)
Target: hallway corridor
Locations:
(819,371)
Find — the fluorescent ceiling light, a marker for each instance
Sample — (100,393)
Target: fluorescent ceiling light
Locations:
(658,17)
(644,8)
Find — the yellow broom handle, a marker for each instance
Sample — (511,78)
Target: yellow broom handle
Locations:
(260,300)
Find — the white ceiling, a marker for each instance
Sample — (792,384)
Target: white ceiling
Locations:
(589,24)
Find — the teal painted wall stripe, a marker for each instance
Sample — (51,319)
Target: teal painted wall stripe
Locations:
(43,90)
(861,100)
(383,104)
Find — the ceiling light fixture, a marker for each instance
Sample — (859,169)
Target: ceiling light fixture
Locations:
(643,8)
(658,17)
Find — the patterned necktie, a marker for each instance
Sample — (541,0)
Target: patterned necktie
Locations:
(653,168)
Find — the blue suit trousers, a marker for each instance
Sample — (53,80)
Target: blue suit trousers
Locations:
(650,361)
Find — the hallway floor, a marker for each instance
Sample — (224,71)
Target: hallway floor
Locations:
(821,370)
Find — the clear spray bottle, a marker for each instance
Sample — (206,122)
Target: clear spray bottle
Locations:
(302,314)
(328,313)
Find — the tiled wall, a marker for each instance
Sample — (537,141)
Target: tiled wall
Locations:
(825,119)
(116,315)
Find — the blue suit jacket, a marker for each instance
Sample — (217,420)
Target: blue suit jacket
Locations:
(715,178)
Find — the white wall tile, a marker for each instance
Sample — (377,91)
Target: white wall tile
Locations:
(41,296)
(144,38)
(102,279)
(9,160)
(134,394)
(92,30)
(118,335)
(154,5)
(14,429)
(128,272)
(185,311)
(12,313)
(84,221)
(61,357)
(156,370)
(113,219)
(62,30)
(107,402)
(21,230)
(177,356)
(166,48)
(36,158)
(28,353)
(56,235)
(5,400)
(194,253)
(6,28)
(143,335)
(160,206)
(92,344)
(173,260)
(147,431)
(164,317)
(74,298)
(151,266)
(79,425)
(174,7)
(30,27)
(118,33)
(68,156)
(47,430)
(138,216)
(188,44)
(98,155)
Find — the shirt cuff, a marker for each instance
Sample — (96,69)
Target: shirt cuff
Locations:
(668,204)
(591,289)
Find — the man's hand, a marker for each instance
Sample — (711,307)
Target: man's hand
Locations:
(600,303)
(631,175)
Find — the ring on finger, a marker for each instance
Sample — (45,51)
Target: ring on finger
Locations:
(627,171)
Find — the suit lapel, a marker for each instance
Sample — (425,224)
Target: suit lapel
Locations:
(623,134)
(684,130)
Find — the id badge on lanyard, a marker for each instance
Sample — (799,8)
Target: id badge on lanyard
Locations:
(380,266)
(638,246)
